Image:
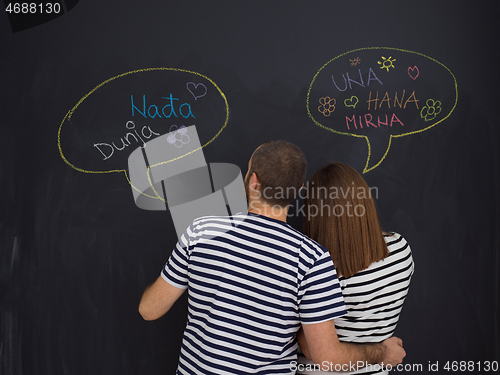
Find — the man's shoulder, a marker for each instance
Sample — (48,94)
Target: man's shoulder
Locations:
(212,219)
(259,225)
(312,249)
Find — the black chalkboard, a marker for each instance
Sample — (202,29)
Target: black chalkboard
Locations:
(405,92)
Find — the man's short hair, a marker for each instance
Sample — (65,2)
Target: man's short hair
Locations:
(281,169)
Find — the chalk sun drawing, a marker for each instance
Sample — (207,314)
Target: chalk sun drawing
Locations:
(386,63)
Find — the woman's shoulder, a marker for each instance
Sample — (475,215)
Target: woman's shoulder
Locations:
(393,238)
(396,243)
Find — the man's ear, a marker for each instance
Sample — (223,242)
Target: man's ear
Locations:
(255,178)
(254,182)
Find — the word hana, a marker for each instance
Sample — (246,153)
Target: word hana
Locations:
(397,101)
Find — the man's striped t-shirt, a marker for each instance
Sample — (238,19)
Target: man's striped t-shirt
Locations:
(374,299)
(252,281)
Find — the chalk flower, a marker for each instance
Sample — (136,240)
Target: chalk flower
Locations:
(431,109)
(178,136)
(327,105)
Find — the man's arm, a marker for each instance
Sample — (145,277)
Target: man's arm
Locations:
(158,298)
(301,340)
(323,345)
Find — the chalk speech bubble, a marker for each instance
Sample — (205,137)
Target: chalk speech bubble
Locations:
(381,93)
(125,112)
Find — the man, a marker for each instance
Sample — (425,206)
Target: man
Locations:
(254,281)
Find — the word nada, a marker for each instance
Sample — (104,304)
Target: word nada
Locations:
(107,150)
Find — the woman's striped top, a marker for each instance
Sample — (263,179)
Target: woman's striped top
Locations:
(374,299)
(252,281)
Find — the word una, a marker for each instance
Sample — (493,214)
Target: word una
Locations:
(397,101)
(371,77)
(109,149)
(153,110)
(368,121)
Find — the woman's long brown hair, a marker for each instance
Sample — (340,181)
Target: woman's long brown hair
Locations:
(340,214)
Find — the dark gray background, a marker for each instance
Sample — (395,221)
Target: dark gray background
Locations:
(76,253)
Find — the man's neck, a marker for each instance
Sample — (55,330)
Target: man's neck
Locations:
(273,212)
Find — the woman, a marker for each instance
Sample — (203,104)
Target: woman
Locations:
(374,267)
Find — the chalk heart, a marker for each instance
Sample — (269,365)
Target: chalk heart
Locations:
(198,90)
(351,102)
(413,72)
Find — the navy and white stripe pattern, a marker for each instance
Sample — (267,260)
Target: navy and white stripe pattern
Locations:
(374,299)
(250,287)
